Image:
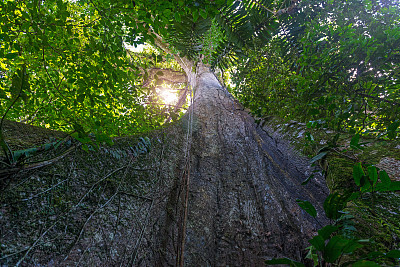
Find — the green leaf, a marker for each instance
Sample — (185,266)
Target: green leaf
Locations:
(365,263)
(353,196)
(307,207)
(71,80)
(12,55)
(312,255)
(395,186)
(178,17)
(393,254)
(313,111)
(85,147)
(352,246)
(384,177)
(373,174)
(203,13)
(374,254)
(326,231)
(354,141)
(307,180)
(78,128)
(290,262)
(167,13)
(334,248)
(365,184)
(104,138)
(391,129)
(318,242)
(358,173)
(309,137)
(393,126)
(333,204)
(319,156)
(195,16)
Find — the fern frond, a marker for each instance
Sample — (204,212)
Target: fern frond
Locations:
(186,36)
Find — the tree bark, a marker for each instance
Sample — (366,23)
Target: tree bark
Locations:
(242,187)
(215,190)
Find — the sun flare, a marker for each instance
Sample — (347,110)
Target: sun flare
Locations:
(168,96)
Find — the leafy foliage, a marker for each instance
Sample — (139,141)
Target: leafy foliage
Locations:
(64,64)
(186,36)
(340,70)
(220,30)
(337,239)
(69,63)
(245,23)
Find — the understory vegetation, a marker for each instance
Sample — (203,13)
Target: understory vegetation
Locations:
(95,75)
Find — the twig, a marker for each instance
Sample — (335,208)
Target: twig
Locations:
(142,170)
(102,206)
(126,247)
(186,184)
(136,249)
(48,75)
(115,228)
(62,216)
(36,165)
(31,118)
(83,253)
(133,195)
(12,254)
(380,99)
(34,244)
(38,194)
(83,227)
(344,155)
(3,142)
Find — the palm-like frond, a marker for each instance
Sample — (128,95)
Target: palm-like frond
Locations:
(246,22)
(186,36)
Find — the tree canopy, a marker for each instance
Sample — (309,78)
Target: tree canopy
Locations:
(64,64)
(332,65)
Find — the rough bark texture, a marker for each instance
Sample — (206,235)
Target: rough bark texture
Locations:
(231,201)
(243,187)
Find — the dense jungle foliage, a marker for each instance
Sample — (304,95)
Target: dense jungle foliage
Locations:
(64,64)
(333,65)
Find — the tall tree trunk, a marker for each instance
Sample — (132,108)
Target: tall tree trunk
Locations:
(226,198)
(240,207)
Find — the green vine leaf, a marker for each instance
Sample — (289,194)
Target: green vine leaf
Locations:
(358,173)
(319,156)
(307,207)
(373,174)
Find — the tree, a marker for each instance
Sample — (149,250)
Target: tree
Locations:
(353,83)
(234,201)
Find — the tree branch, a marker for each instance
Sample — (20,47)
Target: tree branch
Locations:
(380,99)
(169,75)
